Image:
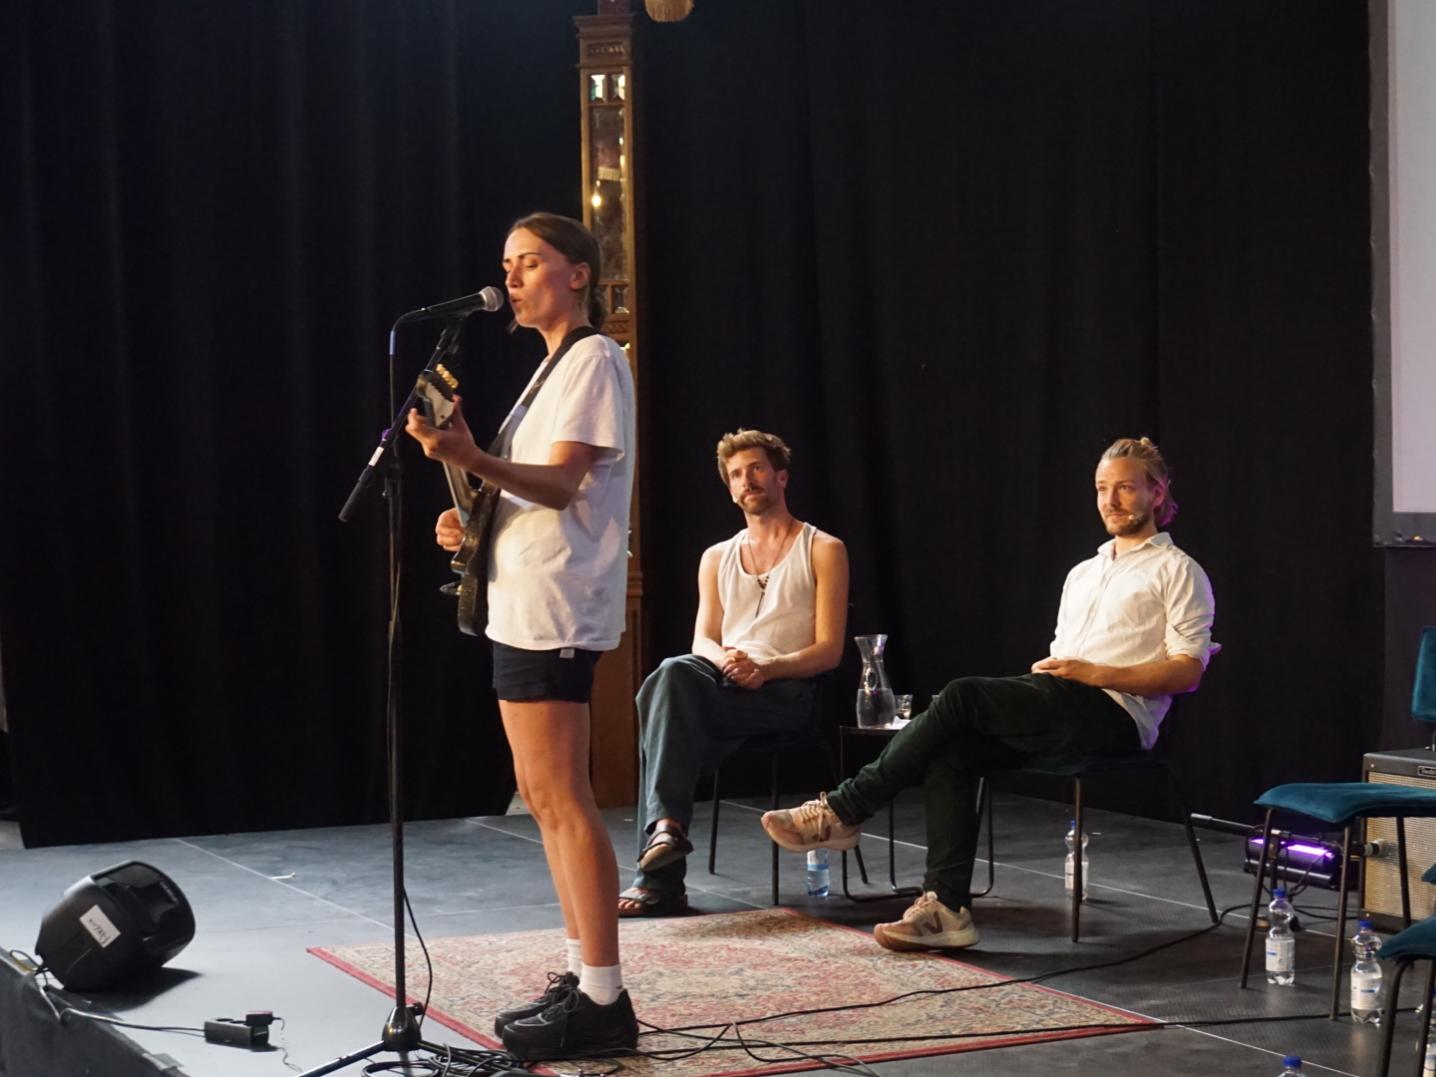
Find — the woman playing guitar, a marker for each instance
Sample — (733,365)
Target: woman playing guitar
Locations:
(557,578)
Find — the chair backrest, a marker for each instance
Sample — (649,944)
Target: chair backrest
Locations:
(1423,689)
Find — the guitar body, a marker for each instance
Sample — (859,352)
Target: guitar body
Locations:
(471,562)
(476,510)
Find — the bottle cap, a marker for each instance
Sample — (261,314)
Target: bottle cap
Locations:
(1280,892)
(1363,925)
(1291,1060)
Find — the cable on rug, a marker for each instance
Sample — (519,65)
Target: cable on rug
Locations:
(720,1042)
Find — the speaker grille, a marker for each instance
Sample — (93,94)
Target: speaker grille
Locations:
(1382,892)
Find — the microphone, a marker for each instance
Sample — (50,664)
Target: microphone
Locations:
(485,299)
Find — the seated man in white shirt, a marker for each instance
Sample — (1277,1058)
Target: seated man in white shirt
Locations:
(1134,628)
(772,602)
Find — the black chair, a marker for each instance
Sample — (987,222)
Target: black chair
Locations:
(1076,770)
(808,740)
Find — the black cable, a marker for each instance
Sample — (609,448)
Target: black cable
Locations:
(428,962)
(449,1061)
(719,1041)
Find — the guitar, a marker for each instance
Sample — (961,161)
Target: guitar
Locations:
(435,390)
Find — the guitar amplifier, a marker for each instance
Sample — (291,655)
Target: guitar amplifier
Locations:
(1381,893)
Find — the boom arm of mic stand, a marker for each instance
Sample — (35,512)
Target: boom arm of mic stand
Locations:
(448,342)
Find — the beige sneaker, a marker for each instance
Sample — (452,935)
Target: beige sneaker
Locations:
(928,924)
(814,825)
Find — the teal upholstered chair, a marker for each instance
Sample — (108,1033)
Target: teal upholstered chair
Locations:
(1423,692)
(1343,805)
(1404,949)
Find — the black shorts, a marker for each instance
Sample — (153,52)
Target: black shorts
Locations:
(522,676)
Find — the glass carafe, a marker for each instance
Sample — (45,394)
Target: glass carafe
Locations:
(875,706)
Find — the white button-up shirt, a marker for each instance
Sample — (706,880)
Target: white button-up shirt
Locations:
(1145,605)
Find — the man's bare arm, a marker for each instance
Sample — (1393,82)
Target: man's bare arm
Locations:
(1164,677)
(708,625)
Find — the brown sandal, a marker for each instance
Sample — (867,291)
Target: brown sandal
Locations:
(668,845)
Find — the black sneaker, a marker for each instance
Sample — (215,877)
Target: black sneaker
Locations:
(575,1027)
(558,987)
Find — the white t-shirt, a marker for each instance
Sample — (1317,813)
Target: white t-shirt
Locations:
(1145,605)
(559,578)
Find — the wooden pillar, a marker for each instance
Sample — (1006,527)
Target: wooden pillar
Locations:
(611,206)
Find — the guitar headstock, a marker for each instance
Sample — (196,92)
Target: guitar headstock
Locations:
(435,390)
(435,393)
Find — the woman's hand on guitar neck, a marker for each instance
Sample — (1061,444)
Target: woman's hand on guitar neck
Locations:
(449,531)
(453,444)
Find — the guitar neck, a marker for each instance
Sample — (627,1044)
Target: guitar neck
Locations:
(463,494)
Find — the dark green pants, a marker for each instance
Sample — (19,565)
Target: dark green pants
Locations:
(975,726)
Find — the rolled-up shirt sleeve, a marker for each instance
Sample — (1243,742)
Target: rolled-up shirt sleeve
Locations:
(1191,609)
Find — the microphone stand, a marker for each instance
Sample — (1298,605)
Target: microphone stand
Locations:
(401,1033)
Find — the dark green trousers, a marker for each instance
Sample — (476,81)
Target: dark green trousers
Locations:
(975,726)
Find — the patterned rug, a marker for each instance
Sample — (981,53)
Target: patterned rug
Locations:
(699,976)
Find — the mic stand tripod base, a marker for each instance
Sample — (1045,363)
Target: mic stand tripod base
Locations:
(401,1031)
(401,1035)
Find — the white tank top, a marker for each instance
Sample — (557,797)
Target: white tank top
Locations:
(778,619)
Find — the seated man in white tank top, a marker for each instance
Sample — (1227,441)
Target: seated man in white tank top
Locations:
(772,604)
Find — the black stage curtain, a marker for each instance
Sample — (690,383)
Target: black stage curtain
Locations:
(950,250)
(217,211)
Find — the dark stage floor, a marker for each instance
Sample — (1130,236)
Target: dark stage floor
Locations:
(261,899)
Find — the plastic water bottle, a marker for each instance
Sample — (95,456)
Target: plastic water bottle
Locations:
(1291,1066)
(1280,943)
(1365,976)
(1069,869)
(818,874)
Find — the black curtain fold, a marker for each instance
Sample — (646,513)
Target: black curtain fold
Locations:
(1039,227)
(217,214)
(949,251)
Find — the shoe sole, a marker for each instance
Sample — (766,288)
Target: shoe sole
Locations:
(836,844)
(948,940)
(664,854)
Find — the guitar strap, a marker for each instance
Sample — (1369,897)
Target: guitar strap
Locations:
(503,441)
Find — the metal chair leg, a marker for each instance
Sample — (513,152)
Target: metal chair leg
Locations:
(773,806)
(1340,923)
(713,828)
(1388,1016)
(1192,842)
(1401,865)
(1077,880)
(984,807)
(1423,1041)
(1256,898)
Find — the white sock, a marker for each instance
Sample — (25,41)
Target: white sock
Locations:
(574,948)
(601,983)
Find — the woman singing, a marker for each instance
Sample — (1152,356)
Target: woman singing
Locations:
(556,592)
